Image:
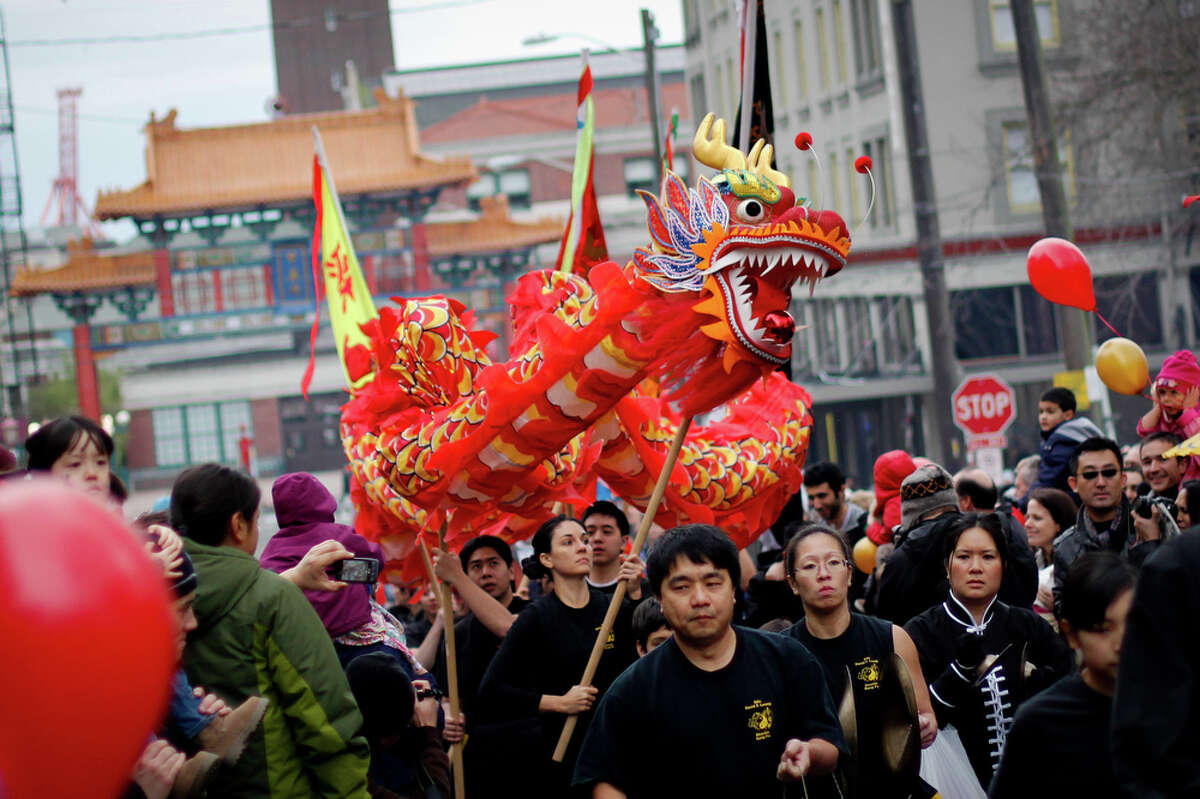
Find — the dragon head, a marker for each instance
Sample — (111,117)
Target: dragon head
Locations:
(740,241)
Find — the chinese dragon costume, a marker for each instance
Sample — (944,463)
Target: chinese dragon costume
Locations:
(441,433)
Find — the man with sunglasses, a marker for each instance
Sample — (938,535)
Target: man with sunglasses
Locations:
(1106,521)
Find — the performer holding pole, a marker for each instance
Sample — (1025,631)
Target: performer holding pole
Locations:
(660,488)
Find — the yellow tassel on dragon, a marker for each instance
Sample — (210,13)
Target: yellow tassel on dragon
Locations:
(702,312)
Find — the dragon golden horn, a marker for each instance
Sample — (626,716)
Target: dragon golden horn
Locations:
(711,149)
(760,163)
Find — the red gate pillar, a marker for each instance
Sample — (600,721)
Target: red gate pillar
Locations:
(86,383)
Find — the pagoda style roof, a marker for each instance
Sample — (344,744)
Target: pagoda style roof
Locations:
(87,270)
(493,231)
(242,167)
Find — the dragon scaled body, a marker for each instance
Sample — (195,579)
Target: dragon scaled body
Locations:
(440,432)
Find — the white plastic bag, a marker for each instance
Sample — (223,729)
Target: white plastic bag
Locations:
(945,766)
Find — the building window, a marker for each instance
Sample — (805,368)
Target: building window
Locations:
(170,448)
(245,287)
(722,98)
(691,21)
(801,66)
(835,182)
(193,292)
(640,173)
(1131,304)
(853,180)
(985,323)
(822,49)
(734,77)
(699,100)
(513,183)
(898,335)
(778,63)
(190,434)
(1039,324)
(877,151)
(1004,33)
(862,342)
(824,319)
(866,37)
(1020,177)
(839,40)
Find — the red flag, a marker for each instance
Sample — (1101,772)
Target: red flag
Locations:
(583,242)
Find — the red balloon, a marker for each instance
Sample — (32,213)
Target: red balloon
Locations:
(89,638)
(1059,272)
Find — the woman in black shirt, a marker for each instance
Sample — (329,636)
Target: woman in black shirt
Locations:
(985,658)
(535,674)
(818,568)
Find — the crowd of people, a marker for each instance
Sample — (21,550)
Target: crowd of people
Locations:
(1006,642)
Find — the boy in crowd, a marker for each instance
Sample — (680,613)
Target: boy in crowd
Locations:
(650,627)
(746,710)
(1062,432)
(1059,741)
(608,535)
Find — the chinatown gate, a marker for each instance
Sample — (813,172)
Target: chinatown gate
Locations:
(216,296)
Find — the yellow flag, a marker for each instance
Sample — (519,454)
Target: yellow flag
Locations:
(335,267)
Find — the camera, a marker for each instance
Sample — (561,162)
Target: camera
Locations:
(356,570)
(428,693)
(1143,506)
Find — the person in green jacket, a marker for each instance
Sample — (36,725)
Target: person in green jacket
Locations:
(257,635)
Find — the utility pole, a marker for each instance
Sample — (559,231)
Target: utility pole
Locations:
(1073,324)
(653,92)
(942,431)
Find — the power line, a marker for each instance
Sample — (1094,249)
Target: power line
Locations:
(353,16)
(26,109)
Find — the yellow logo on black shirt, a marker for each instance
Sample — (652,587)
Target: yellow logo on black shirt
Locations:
(611,641)
(762,717)
(868,673)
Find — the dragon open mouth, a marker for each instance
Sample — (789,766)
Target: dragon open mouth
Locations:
(756,287)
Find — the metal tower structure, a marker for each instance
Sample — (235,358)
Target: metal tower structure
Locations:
(15,365)
(72,210)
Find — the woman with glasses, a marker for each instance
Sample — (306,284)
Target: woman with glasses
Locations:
(985,657)
(818,567)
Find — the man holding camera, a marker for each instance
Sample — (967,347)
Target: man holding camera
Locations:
(1106,522)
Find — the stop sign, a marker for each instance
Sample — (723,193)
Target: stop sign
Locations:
(984,405)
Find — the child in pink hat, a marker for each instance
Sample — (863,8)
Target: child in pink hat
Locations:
(1176,395)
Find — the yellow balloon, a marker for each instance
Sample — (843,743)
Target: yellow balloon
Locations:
(1122,366)
(864,555)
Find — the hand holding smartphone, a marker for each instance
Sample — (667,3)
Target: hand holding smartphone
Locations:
(356,570)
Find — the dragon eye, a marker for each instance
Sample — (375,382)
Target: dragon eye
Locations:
(751,211)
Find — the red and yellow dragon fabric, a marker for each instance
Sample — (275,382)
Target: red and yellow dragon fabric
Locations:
(440,433)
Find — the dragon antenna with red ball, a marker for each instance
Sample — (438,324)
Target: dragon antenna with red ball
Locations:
(862,165)
(804,142)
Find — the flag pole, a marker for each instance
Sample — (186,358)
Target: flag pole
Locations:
(337,199)
(749,54)
(610,618)
(456,763)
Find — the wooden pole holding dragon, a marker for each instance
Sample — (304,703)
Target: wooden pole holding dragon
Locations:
(610,618)
(456,762)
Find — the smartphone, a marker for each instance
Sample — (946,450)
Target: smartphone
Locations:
(356,570)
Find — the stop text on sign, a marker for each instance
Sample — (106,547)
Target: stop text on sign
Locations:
(984,406)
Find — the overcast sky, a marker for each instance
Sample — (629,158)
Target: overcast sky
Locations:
(229,78)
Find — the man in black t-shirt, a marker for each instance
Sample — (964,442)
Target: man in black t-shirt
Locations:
(733,710)
(482,575)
